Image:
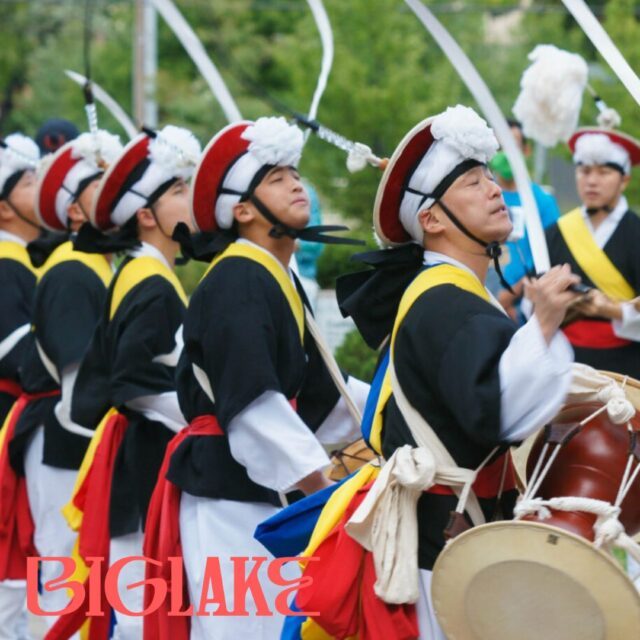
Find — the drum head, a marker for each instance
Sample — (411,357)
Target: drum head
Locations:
(529,581)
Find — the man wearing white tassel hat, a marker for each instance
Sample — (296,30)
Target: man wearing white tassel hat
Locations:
(258,396)
(459,382)
(600,241)
(19,157)
(127,373)
(46,447)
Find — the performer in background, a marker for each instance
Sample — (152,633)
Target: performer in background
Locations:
(259,398)
(130,363)
(47,447)
(600,241)
(19,158)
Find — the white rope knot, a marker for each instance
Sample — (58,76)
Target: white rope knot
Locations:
(608,528)
(531,506)
(619,408)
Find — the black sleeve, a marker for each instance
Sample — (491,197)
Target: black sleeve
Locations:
(237,328)
(142,338)
(69,300)
(17,286)
(454,341)
(319,393)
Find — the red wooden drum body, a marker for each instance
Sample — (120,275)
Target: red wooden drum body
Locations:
(590,465)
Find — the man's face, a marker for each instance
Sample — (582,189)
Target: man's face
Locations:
(23,196)
(283,193)
(476,200)
(599,186)
(172,207)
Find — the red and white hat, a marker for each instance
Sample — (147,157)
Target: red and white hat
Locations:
(231,161)
(603,146)
(145,165)
(18,153)
(425,157)
(67,171)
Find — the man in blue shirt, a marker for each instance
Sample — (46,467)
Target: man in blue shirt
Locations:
(517,260)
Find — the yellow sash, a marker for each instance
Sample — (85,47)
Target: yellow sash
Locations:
(15,251)
(428,279)
(241,250)
(94,261)
(137,270)
(592,259)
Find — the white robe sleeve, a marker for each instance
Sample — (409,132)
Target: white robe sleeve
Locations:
(534,380)
(62,410)
(274,445)
(163,408)
(339,426)
(629,326)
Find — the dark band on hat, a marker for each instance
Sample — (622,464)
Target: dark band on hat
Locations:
(446,182)
(10,184)
(611,165)
(85,182)
(157,193)
(136,174)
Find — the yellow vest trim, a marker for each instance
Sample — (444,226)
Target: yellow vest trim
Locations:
(94,261)
(15,251)
(427,279)
(592,259)
(241,250)
(137,270)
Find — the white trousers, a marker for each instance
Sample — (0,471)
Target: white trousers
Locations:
(427,621)
(128,627)
(13,610)
(224,529)
(49,489)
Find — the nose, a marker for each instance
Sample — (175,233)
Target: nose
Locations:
(493,189)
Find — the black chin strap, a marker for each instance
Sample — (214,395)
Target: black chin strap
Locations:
(492,249)
(22,217)
(591,211)
(316,233)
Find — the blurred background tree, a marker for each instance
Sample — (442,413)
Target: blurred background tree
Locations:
(387,75)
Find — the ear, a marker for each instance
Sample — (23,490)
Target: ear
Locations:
(243,212)
(6,212)
(74,212)
(146,219)
(430,220)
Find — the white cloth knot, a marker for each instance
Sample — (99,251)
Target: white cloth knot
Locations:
(414,468)
(358,158)
(619,408)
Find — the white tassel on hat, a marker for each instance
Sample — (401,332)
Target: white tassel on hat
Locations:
(551,92)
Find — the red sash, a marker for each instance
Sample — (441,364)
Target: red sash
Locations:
(162,538)
(487,484)
(16,523)
(94,499)
(593,334)
(342,590)
(10,387)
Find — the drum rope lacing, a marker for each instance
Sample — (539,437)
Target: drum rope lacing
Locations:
(609,531)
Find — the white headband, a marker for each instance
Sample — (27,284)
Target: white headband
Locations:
(599,148)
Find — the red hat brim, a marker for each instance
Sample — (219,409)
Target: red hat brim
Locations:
(114,179)
(403,162)
(223,149)
(631,145)
(49,185)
